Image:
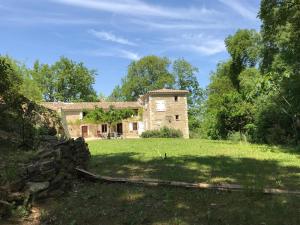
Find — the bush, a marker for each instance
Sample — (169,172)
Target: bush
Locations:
(164,132)
(238,137)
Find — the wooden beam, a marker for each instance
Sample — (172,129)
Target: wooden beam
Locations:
(156,182)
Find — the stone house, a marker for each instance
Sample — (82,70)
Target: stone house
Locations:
(155,109)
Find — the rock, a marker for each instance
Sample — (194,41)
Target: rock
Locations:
(34,187)
(16,196)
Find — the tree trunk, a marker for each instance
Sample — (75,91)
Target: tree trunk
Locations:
(108,136)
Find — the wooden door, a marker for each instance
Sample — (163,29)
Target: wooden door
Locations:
(84,131)
(119,128)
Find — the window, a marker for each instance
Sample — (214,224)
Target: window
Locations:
(176,98)
(104,128)
(160,106)
(177,117)
(134,126)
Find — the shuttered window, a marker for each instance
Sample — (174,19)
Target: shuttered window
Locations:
(133,126)
(160,106)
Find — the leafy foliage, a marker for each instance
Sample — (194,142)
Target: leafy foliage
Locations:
(234,88)
(111,116)
(164,132)
(65,81)
(281,52)
(261,102)
(10,81)
(149,73)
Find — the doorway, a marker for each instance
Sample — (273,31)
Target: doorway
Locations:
(84,131)
(119,128)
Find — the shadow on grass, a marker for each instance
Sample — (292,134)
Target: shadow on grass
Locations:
(126,204)
(112,204)
(212,169)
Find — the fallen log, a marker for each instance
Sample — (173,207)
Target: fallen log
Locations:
(156,182)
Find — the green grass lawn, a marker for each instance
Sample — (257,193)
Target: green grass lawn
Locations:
(187,160)
(197,160)
(122,204)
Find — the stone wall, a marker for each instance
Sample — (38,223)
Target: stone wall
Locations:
(159,119)
(72,116)
(50,173)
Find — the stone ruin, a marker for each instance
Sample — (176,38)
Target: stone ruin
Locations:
(50,173)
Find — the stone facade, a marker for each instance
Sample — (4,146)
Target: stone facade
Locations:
(159,108)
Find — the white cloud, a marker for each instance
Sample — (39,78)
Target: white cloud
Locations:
(242,8)
(140,8)
(113,52)
(199,42)
(107,36)
(129,55)
(180,25)
(209,47)
(20,20)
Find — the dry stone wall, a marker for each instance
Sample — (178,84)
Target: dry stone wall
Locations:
(50,173)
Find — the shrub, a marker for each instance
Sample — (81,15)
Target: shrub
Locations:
(164,132)
(238,137)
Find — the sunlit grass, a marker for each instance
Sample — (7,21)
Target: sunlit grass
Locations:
(187,160)
(197,160)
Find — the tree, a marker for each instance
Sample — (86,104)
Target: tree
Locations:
(234,88)
(117,95)
(21,81)
(10,81)
(65,81)
(281,52)
(46,79)
(244,49)
(111,116)
(149,73)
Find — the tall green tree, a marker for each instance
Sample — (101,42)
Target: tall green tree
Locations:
(21,77)
(148,73)
(65,80)
(46,79)
(244,49)
(281,52)
(234,88)
(10,79)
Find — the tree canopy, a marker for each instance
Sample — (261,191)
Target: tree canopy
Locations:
(257,91)
(65,80)
(146,74)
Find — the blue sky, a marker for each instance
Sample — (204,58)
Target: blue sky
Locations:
(108,34)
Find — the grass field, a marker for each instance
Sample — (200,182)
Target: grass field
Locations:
(197,160)
(187,160)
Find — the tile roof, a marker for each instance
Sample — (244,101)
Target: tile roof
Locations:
(106,105)
(90,105)
(171,91)
(164,91)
